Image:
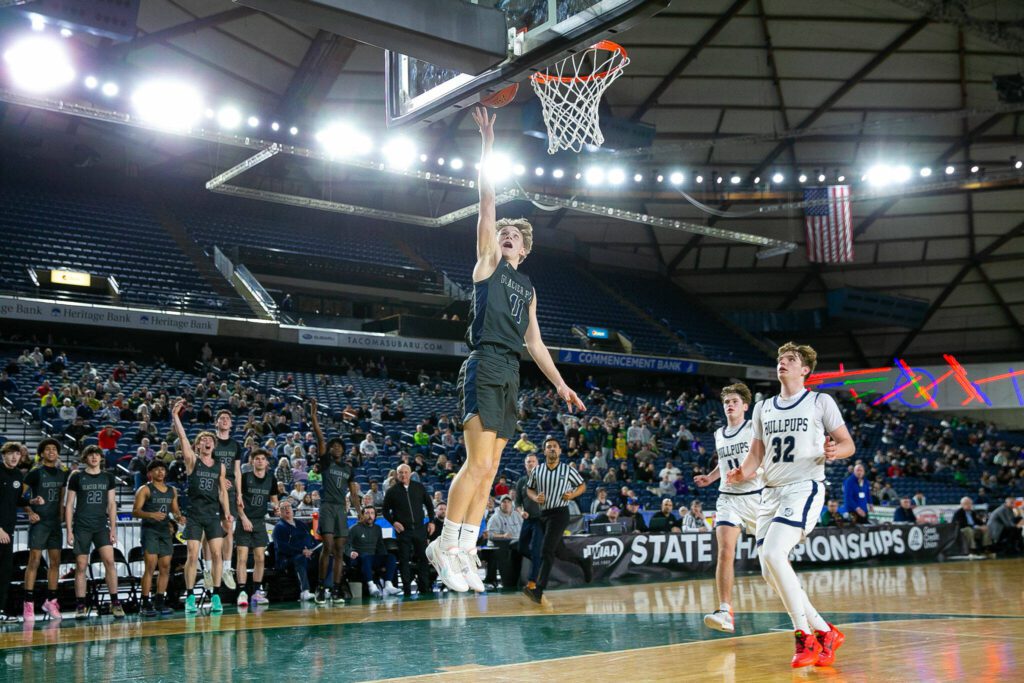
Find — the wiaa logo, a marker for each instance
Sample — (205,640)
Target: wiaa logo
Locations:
(604,552)
(915,538)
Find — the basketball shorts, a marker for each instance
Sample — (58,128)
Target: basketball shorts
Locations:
(797,505)
(87,539)
(333,520)
(45,535)
(488,388)
(738,510)
(157,543)
(257,538)
(198,527)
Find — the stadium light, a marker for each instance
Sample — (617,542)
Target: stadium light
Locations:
(883,174)
(616,176)
(498,167)
(699,179)
(594,175)
(718,180)
(925,172)
(172,105)
(275,126)
(457,164)
(841,178)
(39,64)
(950,170)
(440,161)
(734,179)
(539,171)
(253,122)
(778,177)
(66,33)
(341,139)
(294,130)
(519,169)
(1018,164)
(558,173)
(802,178)
(974,169)
(676,178)
(638,177)
(38,21)
(399,152)
(660,178)
(821,177)
(229,118)
(110,89)
(91,82)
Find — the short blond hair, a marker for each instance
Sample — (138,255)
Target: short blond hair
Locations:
(740,389)
(808,356)
(524,228)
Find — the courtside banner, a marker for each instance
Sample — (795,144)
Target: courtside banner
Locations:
(625,361)
(375,341)
(105,316)
(677,556)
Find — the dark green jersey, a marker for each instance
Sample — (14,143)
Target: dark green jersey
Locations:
(256,494)
(158,501)
(226,452)
(204,490)
(47,483)
(336,480)
(500,311)
(90,499)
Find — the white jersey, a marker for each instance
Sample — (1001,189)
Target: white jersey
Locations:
(793,432)
(731,450)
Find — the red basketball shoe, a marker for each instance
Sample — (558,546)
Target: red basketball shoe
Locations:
(830,641)
(808,649)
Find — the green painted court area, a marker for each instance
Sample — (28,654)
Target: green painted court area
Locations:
(360,651)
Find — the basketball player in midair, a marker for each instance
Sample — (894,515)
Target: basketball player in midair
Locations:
(737,503)
(208,499)
(794,435)
(503,315)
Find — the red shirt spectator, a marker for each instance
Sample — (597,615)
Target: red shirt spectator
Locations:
(120,373)
(43,389)
(894,471)
(501,488)
(108,438)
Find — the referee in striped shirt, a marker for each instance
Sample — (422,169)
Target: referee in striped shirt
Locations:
(552,485)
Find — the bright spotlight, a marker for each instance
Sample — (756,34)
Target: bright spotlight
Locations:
(38,22)
(1018,164)
(423,158)
(802,178)
(950,170)
(558,173)
(39,64)
(110,89)
(275,126)
(498,167)
(699,179)
(343,140)
(253,122)
(821,177)
(91,82)
(66,33)
(902,174)
(718,180)
(757,179)
(168,104)
(778,178)
(974,169)
(734,179)
(676,178)
(660,178)
(594,175)
(539,171)
(578,175)
(399,153)
(519,169)
(440,161)
(457,164)
(638,177)
(841,178)
(294,130)
(616,176)
(925,172)
(229,118)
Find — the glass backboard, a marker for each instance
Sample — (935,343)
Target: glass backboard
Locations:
(539,33)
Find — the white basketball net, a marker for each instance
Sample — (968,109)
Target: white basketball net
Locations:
(570,93)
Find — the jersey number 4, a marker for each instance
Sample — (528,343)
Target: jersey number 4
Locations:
(783,449)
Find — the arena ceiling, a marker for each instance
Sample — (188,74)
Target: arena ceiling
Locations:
(804,84)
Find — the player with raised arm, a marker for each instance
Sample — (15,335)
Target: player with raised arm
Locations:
(737,503)
(794,435)
(91,517)
(503,315)
(155,503)
(44,486)
(208,500)
(338,482)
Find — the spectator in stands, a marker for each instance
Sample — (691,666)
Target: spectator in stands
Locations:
(830,516)
(919,499)
(390,480)
(610,516)
(377,493)
(293,547)
(524,445)
(665,487)
(503,529)
(501,488)
(633,511)
(440,512)
(1006,527)
(421,439)
(67,410)
(694,519)
(599,465)
(645,473)
(283,473)
(670,470)
(971,526)
(108,437)
(888,494)
(404,507)
(904,514)
(601,502)
(298,491)
(665,520)
(139,466)
(176,472)
(388,448)
(683,439)
(857,496)
(368,448)
(367,555)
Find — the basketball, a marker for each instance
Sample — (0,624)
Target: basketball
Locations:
(500,98)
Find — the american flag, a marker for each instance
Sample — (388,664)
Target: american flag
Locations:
(829,224)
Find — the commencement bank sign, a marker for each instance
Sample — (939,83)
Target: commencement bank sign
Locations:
(105,316)
(627,362)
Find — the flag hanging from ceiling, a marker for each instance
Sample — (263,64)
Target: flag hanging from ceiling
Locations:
(829,224)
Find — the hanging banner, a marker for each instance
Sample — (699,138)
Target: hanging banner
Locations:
(106,316)
(604,359)
(677,556)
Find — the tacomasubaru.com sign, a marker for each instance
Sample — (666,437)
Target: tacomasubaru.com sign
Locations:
(627,362)
(379,342)
(106,316)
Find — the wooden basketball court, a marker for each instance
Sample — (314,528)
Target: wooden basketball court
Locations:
(937,622)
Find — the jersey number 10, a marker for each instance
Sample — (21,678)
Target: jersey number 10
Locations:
(783,449)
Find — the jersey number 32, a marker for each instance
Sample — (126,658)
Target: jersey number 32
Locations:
(782,449)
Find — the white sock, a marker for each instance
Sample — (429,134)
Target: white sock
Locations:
(775,553)
(725,607)
(816,621)
(450,535)
(227,565)
(468,536)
